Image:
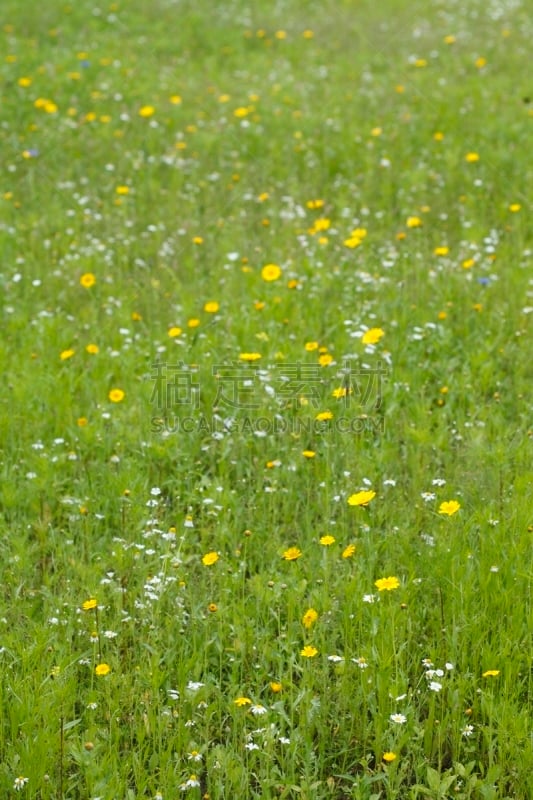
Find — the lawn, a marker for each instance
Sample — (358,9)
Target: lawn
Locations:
(266,431)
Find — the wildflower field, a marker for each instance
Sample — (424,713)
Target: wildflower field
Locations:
(266,497)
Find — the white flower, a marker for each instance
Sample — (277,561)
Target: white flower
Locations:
(251,746)
(195,685)
(20,783)
(369,598)
(336,659)
(258,710)
(467,731)
(398,719)
(427,497)
(435,686)
(190,783)
(194,755)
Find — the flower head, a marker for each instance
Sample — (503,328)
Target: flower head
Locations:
(210,558)
(211,307)
(292,553)
(398,719)
(372,336)
(242,701)
(271,272)
(89,604)
(386,584)
(327,540)
(309,651)
(87,280)
(309,618)
(449,507)
(116,395)
(348,551)
(389,756)
(361,498)
(491,673)
(102,669)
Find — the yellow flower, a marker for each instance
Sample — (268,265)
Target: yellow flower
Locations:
(66,354)
(175,99)
(372,336)
(361,498)
(102,669)
(327,540)
(386,584)
(211,307)
(491,673)
(413,222)
(242,701)
(92,349)
(341,391)
(323,416)
(449,507)
(89,604)
(276,686)
(450,39)
(309,453)
(146,111)
(309,651)
(309,618)
(325,359)
(82,422)
(480,62)
(348,551)
(468,263)
(270,272)
(210,558)
(197,240)
(376,131)
(471,157)
(314,204)
(122,190)
(292,553)
(250,356)
(352,242)
(389,756)
(515,207)
(441,251)
(193,323)
(174,331)
(24,82)
(438,136)
(88,280)
(116,395)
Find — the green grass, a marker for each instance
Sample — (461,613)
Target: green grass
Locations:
(250,121)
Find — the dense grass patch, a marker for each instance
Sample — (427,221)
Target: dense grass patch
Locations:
(266,413)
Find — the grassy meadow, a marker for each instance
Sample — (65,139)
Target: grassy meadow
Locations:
(266,496)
